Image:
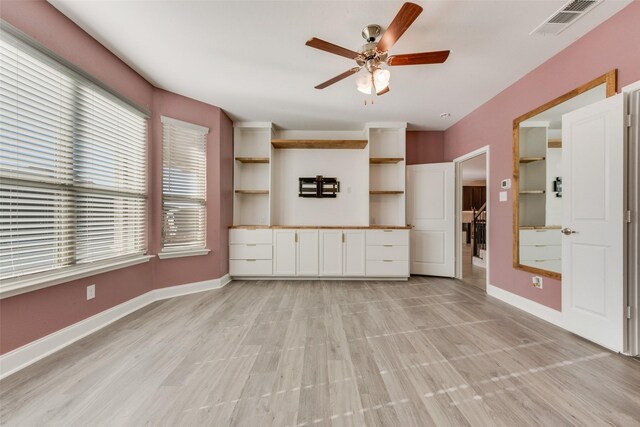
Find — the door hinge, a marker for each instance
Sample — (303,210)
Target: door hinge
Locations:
(343,237)
(627,217)
(296,236)
(629,312)
(629,120)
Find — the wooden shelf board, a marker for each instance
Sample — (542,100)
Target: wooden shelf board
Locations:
(386,192)
(385,160)
(252,191)
(554,143)
(532,192)
(253,159)
(530,159)
(320,143)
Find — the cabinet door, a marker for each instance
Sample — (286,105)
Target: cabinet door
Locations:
(284,257)
(331,252)
(353,258)
(307,258)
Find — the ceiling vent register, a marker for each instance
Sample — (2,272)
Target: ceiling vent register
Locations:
(562,18)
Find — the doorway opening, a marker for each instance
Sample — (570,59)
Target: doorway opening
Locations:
(472,218)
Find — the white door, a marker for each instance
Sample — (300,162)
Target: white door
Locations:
(593,257)
(353,259)
(307,263)
(284,256)
(331,252)
(431,213)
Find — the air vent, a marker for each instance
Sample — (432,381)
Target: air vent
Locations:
(565,16)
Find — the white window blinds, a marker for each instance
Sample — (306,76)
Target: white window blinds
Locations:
(72,167)
(184,152)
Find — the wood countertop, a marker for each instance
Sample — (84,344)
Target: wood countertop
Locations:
(322,227)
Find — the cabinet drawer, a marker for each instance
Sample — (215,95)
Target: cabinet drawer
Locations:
(388,268)
(540,252)
(395,253)
(250,251)
(241,235)
(388,237)
(243,267)
(540,237)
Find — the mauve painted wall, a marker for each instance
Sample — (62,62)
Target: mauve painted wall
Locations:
(27,317)
(425,147)
(614,44)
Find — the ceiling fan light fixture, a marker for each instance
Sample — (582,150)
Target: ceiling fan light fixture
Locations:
(364,83)
(381,79)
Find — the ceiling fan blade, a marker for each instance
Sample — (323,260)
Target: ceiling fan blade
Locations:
(383,91)
(419,58)
(405,17)
(331,48)
(338,78)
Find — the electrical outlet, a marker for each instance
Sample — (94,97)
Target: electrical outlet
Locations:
(91,292)
(536,282)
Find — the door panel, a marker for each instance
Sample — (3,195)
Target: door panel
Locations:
(307,264)
(431,213)
(593,257)
(284,257)
(331,252)
(353,262)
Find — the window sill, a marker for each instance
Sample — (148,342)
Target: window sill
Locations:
(21,285)
(183,253)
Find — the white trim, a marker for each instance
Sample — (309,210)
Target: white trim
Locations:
(28,354)
(167,254)
(536,309)
(391,125)
(631,87)
(342,278)
(486,150)
(267,125)
(180,123)
(21,285)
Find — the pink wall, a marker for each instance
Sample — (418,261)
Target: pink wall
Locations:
(27,317)
(614,44)
(425,147)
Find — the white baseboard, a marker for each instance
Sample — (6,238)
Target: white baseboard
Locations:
(28,354)
(531,307)
(478,262)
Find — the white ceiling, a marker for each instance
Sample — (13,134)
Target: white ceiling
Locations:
(249,57)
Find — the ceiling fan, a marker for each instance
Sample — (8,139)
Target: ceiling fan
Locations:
(373,54)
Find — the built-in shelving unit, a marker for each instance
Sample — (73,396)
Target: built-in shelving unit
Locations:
(387,173)
(345,144)
(385,160)
(253,159)
(252,173)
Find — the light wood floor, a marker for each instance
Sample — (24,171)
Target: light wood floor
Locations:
(419,353)
(472,274)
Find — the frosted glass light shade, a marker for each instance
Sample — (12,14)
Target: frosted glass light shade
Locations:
(381,79)
(363,82)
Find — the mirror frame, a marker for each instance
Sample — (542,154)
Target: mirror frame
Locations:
(611,81)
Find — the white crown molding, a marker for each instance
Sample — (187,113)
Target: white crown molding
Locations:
(28,354)
(536,309)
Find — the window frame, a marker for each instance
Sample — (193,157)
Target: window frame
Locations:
(30,281)
(167,252)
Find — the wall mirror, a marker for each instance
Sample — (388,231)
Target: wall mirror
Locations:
(537,177)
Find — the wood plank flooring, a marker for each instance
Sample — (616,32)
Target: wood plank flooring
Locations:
(323,353)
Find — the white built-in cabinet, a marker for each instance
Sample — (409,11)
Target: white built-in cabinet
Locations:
(330,253)
(353,255)
(284,252)
(307,261)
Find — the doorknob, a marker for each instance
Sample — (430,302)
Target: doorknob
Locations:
(567,231)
